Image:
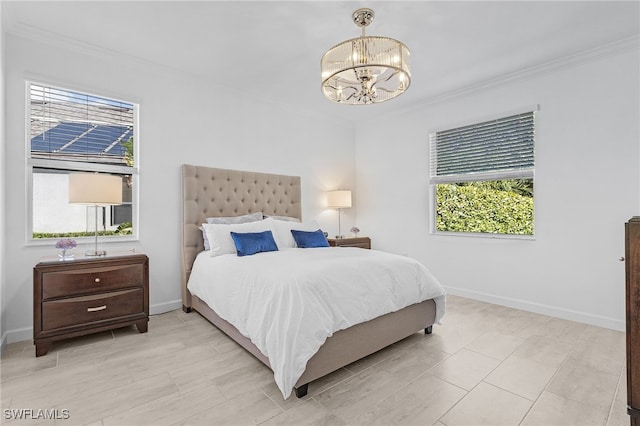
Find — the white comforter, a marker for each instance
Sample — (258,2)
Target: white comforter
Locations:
(289,302)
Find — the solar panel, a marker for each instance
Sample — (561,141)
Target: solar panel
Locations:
(82,138)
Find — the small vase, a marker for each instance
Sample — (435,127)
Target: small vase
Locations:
(65,255)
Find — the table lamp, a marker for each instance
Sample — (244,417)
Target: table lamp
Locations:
(339,200)
(97,190)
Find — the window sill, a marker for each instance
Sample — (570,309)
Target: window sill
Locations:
(484,235)
(82,241)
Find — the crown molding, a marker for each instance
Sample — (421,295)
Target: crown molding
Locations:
(55,40)
(580,58)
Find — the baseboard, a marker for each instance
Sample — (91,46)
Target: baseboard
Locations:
(21,334)
(3,342)
(554,311)
(161,308)
(17,335)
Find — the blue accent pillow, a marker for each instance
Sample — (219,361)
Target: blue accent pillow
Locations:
(306,239)
(248,243)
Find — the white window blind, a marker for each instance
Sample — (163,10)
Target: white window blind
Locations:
(497,149)
(71,126)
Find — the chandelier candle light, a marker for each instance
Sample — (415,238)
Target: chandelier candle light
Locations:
(367,69)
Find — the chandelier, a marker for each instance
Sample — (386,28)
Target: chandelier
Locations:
(367,69)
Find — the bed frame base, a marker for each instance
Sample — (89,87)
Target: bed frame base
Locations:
(187,309)
(343,347)
(301,390)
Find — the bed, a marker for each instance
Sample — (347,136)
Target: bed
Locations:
(210,192)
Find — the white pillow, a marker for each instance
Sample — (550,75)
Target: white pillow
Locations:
(285,218)
(283,228)
(219,235)
(251,217)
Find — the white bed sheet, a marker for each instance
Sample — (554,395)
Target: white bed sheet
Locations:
(290,301)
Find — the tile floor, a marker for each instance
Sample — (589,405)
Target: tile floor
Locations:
(485,365)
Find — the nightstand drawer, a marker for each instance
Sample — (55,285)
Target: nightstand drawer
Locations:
(364,245)
(90,280)
(87,309)
(359,242)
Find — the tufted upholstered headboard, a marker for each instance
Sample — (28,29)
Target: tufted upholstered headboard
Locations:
(211,192)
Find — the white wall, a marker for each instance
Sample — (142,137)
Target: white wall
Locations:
(587,184)
(183,119)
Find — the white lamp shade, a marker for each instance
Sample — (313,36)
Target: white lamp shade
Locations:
(95,189)
(338,199)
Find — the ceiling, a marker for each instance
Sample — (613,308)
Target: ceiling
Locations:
(271,50)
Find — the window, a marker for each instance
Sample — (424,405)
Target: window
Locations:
(483,176)
(77,132)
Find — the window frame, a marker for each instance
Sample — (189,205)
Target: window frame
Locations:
(485,176)
(79,166)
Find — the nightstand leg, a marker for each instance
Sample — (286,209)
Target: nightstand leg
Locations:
(42,348)
(142,325)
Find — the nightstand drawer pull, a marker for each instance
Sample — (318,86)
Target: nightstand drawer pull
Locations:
(97,308)
(97,280)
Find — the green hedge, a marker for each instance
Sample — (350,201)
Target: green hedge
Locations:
(123,229)
(469,208)
(77,234)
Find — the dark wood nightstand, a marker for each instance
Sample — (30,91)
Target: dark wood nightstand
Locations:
(88,295)
(361,242)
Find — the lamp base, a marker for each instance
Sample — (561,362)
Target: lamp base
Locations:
(95,253)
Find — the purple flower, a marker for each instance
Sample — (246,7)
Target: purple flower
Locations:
(355,229)
(66,244)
